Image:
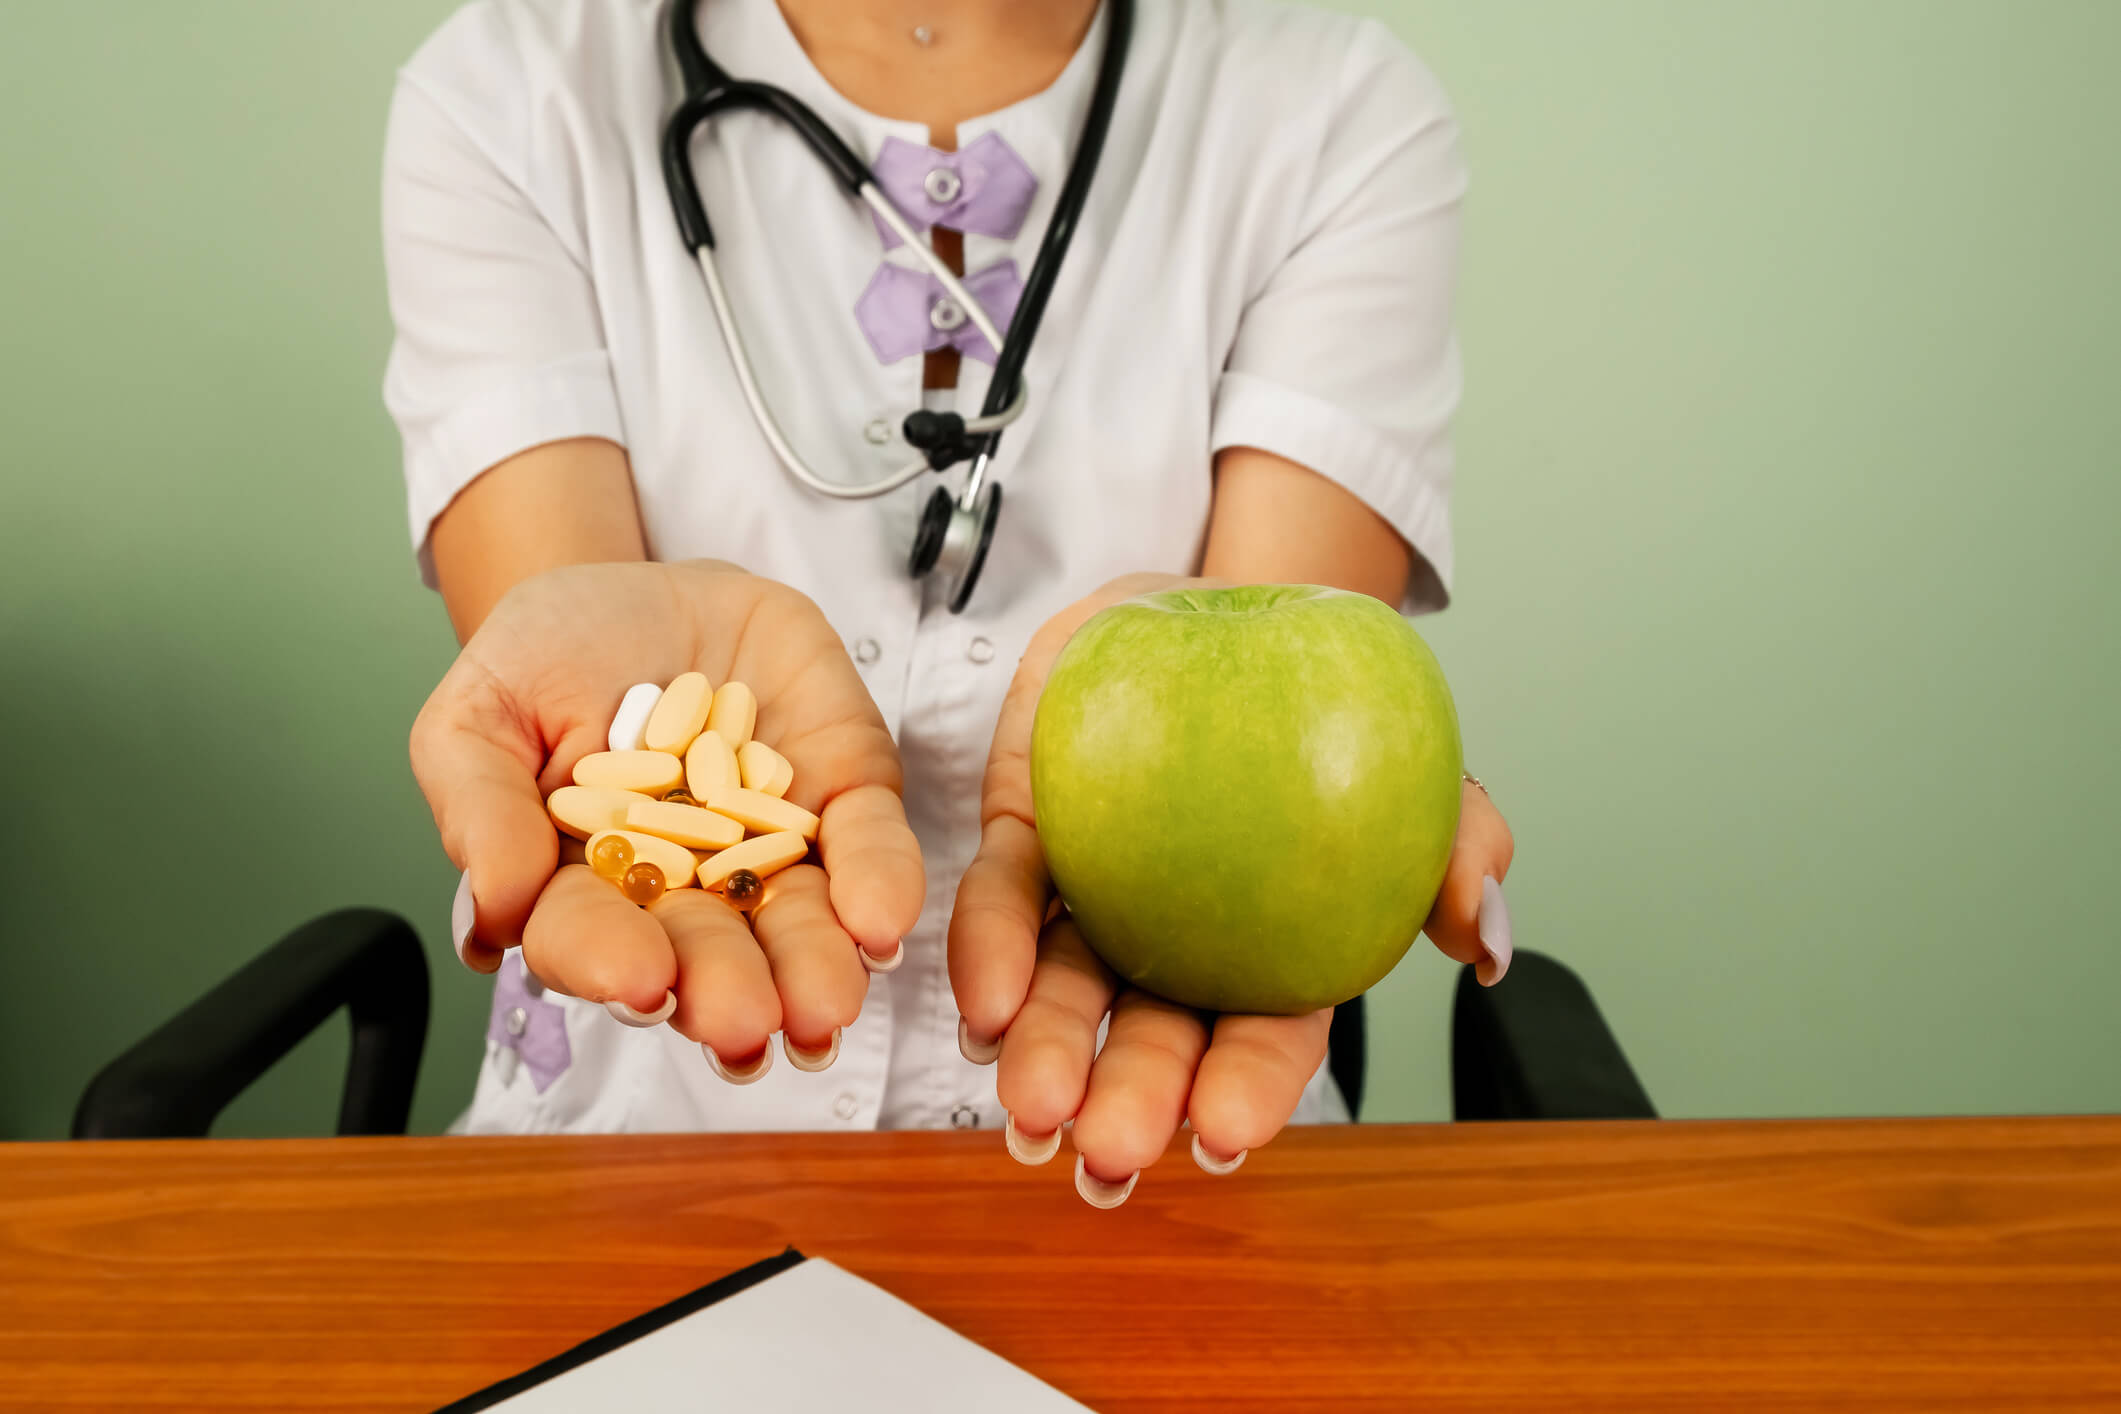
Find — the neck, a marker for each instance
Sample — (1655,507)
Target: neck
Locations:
(989,24)
(974,56)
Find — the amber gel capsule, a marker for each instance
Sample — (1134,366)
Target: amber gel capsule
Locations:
(642,884)
(742,889)
(612,857)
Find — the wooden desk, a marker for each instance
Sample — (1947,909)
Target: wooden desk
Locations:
(1969,1264)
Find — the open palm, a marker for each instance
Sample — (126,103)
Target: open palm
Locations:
(1034,996)
(534,691)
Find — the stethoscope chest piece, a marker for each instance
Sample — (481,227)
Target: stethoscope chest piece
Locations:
(954,538)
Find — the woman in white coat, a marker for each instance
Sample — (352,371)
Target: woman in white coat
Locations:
(1246,372)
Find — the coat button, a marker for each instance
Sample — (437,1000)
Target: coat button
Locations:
(964,1117)
(980,650)
(517,1021)
(866,651)
(878,431)
(946,314)
(845,1106)
(942,186)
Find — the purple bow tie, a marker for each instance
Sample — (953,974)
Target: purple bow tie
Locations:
(524,1022)
(984,190)
(905,312)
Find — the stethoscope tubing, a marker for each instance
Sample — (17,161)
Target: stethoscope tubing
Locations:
(783,450)
(709,90)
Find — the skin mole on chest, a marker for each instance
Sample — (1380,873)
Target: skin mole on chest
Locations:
(939,62)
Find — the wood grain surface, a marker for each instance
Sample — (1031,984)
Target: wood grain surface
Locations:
(1851,1265)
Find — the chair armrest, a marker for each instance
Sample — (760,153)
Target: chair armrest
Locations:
(1348,1051)
(174,1083)
(1535,1047)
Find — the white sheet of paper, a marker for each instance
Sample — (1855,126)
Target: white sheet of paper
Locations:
(815,1339)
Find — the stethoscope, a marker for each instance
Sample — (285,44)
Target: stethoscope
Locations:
(955,531)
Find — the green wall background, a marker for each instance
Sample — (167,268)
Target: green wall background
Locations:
(1786,621)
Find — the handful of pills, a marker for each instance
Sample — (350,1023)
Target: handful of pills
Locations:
(685,797)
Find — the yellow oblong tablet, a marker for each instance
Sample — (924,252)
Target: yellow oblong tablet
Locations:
(710,765)
(679,715)
(734,714)
(677,862)
(582,811)
(649,772)
(687,825)
(768,854)
(762,813)
(761,767)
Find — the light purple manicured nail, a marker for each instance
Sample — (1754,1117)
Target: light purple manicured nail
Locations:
(462,914)
(811,1060)
(1098,1193)
(1494,934)
(978,1052)
(741,1077)
(627,1014)
(1024,1149)
(1210,1164)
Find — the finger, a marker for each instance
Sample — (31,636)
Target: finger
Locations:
(1250,1082)
(820,716)
(1138,1086)
(994,926)
(726,997)
(1481,853)
(820,980)
(478,765)
(1002,898)
(1044,1070)
(873,865)
(585,939)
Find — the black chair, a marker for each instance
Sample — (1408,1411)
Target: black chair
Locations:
(1534,1047)
(174,1083)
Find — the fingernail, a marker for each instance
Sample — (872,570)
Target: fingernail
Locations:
(1494,934)
(627,1014)
(811,1060)
(1028,1151)
(1098,1193)
(1210,1164)
(978,1052)
(462,914)
(889,964)
(741,1077)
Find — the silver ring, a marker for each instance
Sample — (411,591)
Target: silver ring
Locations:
(1474,781)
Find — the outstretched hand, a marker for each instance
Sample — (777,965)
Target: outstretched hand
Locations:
(534,691)
(1032,994)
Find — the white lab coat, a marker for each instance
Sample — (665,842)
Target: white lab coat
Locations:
(1267,259)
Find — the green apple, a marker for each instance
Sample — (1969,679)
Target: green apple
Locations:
(1247,796)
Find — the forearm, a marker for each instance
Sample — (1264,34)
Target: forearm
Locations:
(564,503)
(1275,522)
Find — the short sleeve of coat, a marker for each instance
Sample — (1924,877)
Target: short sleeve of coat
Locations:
(498,341)
(1345,359)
